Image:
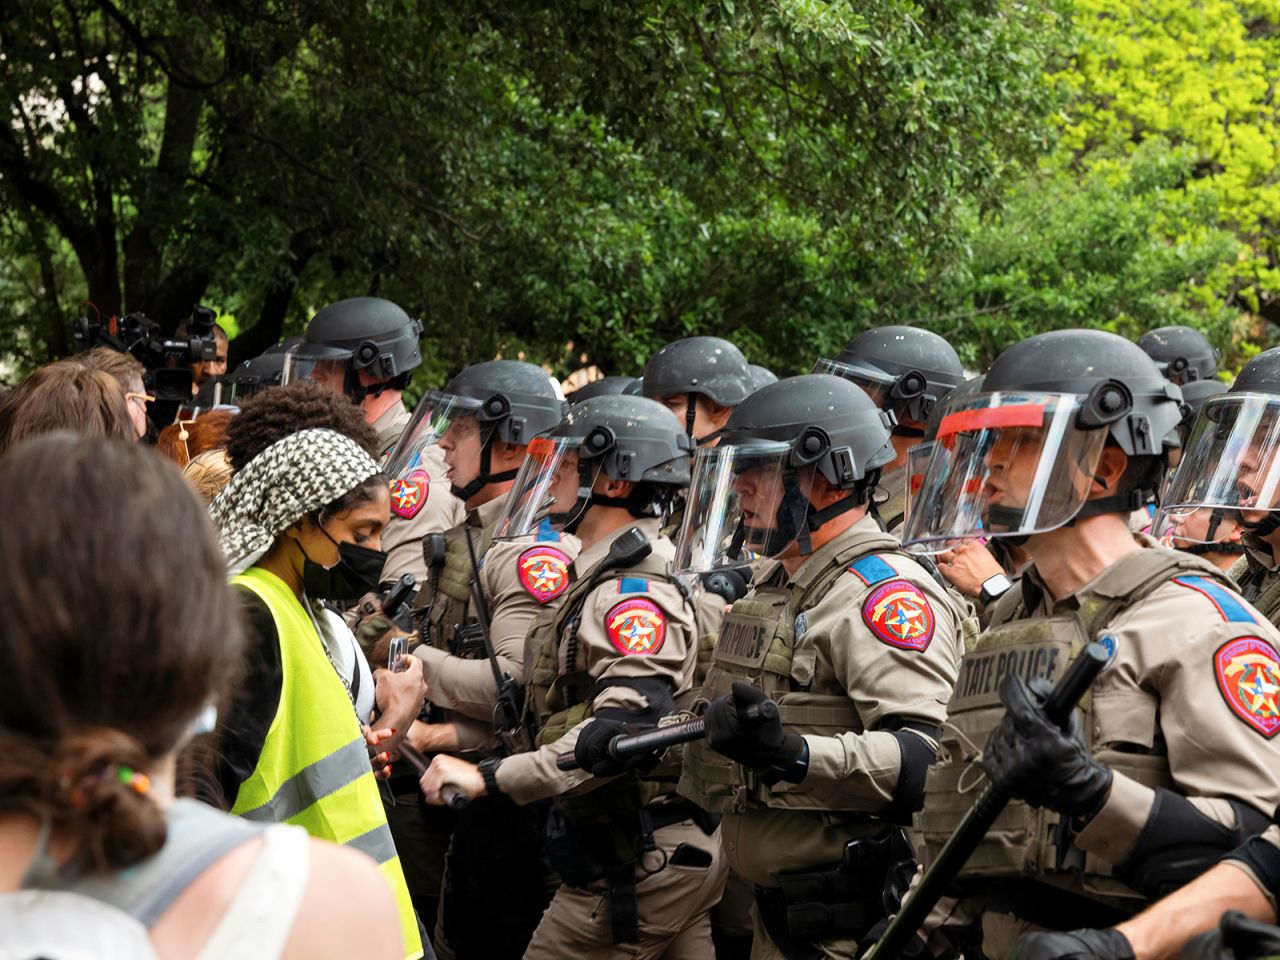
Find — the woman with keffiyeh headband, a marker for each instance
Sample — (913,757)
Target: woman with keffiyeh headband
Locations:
(302,523)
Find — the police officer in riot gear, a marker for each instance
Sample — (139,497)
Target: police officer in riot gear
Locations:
(1183,354)
(855,641)
(1228,481)
(482,423)
(1173,763)
(639,866)
(367,348)
(907,371)
(700,380)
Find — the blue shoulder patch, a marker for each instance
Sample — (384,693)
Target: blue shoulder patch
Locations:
(546,532)
(871,570)
(1228,604)
(633,585)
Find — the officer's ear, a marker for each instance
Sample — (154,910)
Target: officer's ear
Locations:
(822,493)
(716,414)
(1108,473)
(505,456)
(609,487)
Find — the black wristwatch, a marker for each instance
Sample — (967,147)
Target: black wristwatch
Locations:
(488,768)
(993,588)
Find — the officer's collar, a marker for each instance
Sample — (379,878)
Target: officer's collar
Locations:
(390,425)
(1259,552)
(587,559)
(486,515)
(822,557)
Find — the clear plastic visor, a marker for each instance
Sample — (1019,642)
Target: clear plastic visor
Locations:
(918,458)
(745,501)
(229,393)
(1004,464)
(440,419)
(548,488)
(876,387)
(326,365)
(1229,467)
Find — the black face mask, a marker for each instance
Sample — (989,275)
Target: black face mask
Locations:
(357,572)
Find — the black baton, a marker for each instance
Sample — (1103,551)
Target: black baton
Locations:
(453,798)
(659,738)
(959,848)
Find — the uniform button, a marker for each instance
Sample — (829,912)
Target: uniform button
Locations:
(732,845)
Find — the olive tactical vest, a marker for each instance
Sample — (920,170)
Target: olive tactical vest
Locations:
(763,642)
(446,608)
(1260,586)
(559,701)
(1026,842)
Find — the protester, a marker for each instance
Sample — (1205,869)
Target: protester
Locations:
(128,372)
(273,414)
(91,720)
(208,473)
(300,523)
(65,396)
(185,440)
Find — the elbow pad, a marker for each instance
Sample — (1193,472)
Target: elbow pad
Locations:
(1263,859)
(1178,843)
(917,755)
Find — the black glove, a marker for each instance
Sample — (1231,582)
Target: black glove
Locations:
(592,748)
(1072,945)
(1036,760)
(1237,938)
(759,744)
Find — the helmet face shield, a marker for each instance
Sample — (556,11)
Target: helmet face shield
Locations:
(874,385)
(745,501)
(552,487)
(1230,463)
(324,365)
(440,419)
(918,460)
(1005,464)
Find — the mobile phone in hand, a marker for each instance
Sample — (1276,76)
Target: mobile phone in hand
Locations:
(398,650)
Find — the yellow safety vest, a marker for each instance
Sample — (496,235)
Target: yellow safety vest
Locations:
(314,767)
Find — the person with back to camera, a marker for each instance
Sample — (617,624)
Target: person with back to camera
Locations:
(64,396)
(99,859)
(300,523)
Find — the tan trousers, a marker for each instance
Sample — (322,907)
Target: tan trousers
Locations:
(672,909)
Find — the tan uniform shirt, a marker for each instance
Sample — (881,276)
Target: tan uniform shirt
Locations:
(402,538)
(883,677)
(519,577)
(624,633)
(1196,667)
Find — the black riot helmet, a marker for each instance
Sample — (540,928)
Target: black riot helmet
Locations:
(1050,403)
(507,400)
(903,369)
(617,436)
(360,334)
(752,491)
(1183,354)
(711,367)
(605,387)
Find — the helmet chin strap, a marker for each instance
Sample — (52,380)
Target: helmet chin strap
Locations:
(484,478)
(1263,528)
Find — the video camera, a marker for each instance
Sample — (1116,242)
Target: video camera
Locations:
(166,360)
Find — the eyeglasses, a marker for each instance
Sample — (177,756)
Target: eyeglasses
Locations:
(143,398)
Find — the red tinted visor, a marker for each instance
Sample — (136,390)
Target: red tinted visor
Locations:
(992,418)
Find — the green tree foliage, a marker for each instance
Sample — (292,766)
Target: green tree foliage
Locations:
(1158,204)
(521,174)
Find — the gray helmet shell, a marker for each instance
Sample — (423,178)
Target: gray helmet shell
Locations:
(710,366)
(376,334)
(1183,354)
(635,439)
(916,365)
(761,376)
(517,399)
(1123,388)
(1260,375)
(605,387)
(828,421)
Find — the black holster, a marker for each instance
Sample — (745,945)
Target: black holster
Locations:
(841,901)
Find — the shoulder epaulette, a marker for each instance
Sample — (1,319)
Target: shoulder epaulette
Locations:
(872,570)
(1226,602)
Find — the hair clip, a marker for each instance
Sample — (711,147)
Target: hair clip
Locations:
(137,782)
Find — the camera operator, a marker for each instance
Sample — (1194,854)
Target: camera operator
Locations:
(203,370)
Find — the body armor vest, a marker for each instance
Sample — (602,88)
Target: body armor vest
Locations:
(444,616)
(1027,842)
(1258,585)
(763,642)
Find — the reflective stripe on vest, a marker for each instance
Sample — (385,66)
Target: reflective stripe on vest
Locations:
(314,770)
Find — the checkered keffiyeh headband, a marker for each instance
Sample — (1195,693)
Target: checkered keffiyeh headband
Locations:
(291,478)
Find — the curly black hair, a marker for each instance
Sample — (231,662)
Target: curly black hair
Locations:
(276,413)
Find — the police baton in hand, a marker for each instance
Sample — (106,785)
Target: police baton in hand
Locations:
(453,798)
(960,847)
(623,746)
